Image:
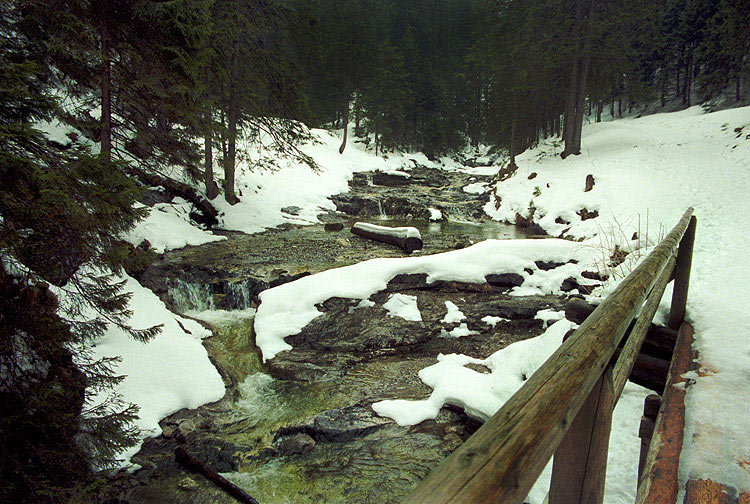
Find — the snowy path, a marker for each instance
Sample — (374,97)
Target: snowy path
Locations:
(660,165)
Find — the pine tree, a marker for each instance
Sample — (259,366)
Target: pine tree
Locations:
(62,210)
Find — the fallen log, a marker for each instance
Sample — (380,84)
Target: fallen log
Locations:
(407,238)
(195,464)
(659,340)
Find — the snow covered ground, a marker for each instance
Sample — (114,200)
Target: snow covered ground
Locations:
(649,170)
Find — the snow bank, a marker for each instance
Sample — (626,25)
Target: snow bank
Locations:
(647,171)
(170,372)
(286,309)
(168,227)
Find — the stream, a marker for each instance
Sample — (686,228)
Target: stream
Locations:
(300,428)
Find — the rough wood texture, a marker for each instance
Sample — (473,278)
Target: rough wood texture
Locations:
(629,353)
(646,430)
(705,492)
(659,481)
(682,277)
(580,464)
(503,459)
(195,464)
(400,237)
(659,340)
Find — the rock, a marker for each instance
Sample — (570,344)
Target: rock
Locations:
(188,484)
(504,280)
(215,453)
(337,425)
(594,275)
(589,183)
(184,429)
(390,179)
(586,214)
(547,265)
(291,210)
(298,444)
(333,226)
(532,175)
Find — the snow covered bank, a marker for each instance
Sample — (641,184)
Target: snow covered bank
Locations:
(170,372)
(647,171)
(286,309)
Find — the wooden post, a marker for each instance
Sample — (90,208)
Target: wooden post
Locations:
(646,431)
(682,276)
(579,468)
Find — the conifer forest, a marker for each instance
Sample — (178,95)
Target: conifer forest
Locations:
(149,88)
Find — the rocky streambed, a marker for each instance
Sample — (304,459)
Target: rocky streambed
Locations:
(300,428)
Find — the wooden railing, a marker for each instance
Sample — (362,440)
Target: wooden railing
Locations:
(565,408)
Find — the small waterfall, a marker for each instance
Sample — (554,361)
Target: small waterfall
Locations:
(221,295)
(381,212)
(368,178)
(186,296)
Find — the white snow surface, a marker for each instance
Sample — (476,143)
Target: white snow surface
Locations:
(651,169)
(170,372)
(404,306)
(286,309)
(454,314)
(168,227)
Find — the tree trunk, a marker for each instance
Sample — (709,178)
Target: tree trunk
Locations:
(232,113)
(599,107)
(570,111)
(212,189)
(346,125)
(513,147)
(106,84)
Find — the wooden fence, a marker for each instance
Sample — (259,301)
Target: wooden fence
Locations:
(565,408)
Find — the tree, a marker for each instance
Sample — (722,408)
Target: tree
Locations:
(62,210)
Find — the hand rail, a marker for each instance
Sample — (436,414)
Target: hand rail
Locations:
(503,459)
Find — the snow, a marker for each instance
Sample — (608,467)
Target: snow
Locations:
(453,314)
(404,306)
(169,372)
(457,332)
(263,192)
(435,214)
(168,227)
(476,188)
(493,321)
(647,171)
(284,310)
(400,232)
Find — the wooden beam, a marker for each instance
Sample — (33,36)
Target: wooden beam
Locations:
(503,459)
(659,483)
(627,357)
(579,468)
(682,276)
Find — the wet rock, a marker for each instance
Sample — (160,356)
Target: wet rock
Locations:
(297,444)
(188,485)
(333,226)
(504,280)
(216,453)
(390,179)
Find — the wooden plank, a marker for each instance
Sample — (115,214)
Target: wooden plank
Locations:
(659,482)
(627,357)
(682,276)
(706,491)
(580,465)
(503,459)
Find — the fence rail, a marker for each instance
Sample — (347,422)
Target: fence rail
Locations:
(565,408)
